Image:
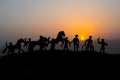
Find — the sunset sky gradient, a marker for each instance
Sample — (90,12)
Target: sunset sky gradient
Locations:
(31,18)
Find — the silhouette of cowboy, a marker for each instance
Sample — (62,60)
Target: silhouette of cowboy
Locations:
(103,44)
(75,42)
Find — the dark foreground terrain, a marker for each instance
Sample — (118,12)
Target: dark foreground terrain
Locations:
(58,63)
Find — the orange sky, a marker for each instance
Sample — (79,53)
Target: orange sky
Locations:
(99,18)
(32,18)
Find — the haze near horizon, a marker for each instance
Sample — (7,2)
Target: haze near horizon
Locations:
(32,18)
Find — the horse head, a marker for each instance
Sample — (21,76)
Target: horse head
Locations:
(60,36)
(61,33)
(19,42)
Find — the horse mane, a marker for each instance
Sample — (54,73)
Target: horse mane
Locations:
(60,36)
(19,41)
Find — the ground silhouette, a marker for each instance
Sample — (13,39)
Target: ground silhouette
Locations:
(46,63)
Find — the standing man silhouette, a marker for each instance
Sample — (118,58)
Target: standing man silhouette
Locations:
(75,42)
(52,42)
(89,44)
(30,46)
(103,44)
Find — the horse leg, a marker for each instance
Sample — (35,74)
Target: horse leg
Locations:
(22,50)
(41,48)
(18,49)
(45,49)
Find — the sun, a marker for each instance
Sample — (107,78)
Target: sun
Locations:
(82,38)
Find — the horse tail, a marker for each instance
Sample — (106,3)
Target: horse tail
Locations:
(6,44)
(4,50)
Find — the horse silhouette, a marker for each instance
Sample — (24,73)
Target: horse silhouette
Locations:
(42,43)
(60,37)
(14,47)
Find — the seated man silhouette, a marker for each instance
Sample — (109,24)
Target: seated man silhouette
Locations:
(66,44)
(75,42)
(103,44)
(89,44)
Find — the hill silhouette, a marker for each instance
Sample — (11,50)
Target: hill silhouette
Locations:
(45,63)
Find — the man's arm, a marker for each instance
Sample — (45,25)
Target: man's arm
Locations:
(106,44)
